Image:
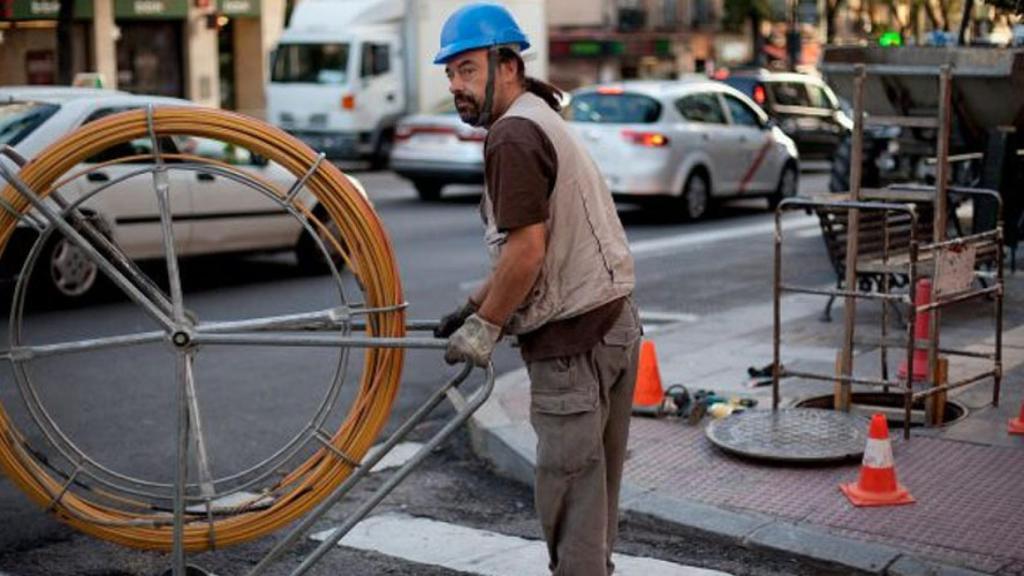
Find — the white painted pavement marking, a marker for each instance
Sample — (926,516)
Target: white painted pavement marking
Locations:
(400,454)
(667,244)
(808,233)
(670,243)
(426,541)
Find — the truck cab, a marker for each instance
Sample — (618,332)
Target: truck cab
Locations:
(341,91)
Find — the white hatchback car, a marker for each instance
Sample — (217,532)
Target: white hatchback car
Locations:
(212,214)
(693,141)
(434,150)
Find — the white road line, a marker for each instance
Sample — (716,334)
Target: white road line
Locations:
(671,243)
(659,317)
(659,246)
(809,233)
(426,541)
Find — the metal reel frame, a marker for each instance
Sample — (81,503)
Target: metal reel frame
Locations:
(186,334)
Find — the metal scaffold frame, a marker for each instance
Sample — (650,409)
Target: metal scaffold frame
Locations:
(921,261)
(50,213)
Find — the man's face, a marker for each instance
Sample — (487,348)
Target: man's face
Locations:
(467,81)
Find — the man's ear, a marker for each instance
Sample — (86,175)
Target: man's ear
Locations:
(509,69)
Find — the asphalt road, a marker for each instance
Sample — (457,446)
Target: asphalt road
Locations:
(117,405)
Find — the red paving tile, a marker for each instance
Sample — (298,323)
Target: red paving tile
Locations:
(970,507)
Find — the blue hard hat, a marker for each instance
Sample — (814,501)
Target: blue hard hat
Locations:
(479,25)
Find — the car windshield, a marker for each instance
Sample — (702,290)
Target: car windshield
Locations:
(19,119)
(311,63)
(621,108)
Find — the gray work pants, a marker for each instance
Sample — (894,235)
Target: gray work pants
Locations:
(580,409)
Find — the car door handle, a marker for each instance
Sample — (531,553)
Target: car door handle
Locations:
(204,177)
(705,136)
(390,97)
(98,177)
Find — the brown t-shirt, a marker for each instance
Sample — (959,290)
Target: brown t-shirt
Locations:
(520,166)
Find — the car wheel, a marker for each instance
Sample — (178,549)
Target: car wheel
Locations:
(696,197)
(65,273)
(310,257)
(787,187)
(428,190)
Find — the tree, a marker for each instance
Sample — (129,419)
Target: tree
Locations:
(831,12)
(737,12)
(65,18)
(1016,6)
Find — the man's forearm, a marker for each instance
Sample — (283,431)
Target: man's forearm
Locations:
(518,268)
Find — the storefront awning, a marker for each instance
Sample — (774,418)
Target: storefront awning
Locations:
(40,9)
(123,9)
(239,7)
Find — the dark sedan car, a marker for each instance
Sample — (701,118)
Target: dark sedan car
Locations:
(802,105)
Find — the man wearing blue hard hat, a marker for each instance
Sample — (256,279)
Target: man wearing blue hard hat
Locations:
(562,282)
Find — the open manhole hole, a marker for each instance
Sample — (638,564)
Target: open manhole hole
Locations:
(889,403)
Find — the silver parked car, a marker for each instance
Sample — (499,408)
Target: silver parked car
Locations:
(692,141)
(212,214)
(434,150)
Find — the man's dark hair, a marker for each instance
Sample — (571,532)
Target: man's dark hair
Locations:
(547,92)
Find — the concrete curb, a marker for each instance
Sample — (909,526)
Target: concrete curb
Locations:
(510,447)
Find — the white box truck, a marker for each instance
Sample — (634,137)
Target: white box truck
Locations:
(345,71)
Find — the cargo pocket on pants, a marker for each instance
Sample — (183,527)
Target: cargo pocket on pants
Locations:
(564,413)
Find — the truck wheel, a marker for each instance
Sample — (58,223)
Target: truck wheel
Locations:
(428,190)
(839,180)
(382,155)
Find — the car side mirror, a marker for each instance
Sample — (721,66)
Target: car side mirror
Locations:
(258,160)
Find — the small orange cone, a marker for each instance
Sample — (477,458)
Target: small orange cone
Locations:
(1017,425)
(648,395)
(877,485)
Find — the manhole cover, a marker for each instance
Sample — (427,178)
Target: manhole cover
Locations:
(791,435)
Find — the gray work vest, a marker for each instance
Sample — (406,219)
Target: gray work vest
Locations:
(587,262)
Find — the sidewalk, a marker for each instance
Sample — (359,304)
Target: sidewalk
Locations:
(968,476)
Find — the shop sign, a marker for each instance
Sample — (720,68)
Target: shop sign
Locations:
(150,9)
(610,48)
(40,9)
(239,7)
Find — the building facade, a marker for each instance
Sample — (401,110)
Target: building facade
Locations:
(214,52)
(607,40)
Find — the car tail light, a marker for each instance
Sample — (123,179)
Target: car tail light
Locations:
(759,95)
(720,74)
(610,90)
(646,139)
(406,132)
(348,102)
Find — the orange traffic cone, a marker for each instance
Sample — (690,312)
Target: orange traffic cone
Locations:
(648,395)
(877,485)
(1017,425)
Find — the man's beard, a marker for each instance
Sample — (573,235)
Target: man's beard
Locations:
(468,109)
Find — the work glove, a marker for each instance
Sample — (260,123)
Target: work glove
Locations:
(473,342)
(451,322)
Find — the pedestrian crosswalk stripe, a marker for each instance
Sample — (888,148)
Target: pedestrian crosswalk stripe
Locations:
(464,549)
